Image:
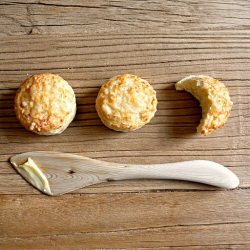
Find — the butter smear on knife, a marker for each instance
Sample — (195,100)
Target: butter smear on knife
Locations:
(35,176)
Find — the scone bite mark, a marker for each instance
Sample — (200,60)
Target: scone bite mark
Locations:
(213,97)
(126,102)
(45,104)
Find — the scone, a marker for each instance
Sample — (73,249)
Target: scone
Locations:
(126,102)
(45,104)
(213,97)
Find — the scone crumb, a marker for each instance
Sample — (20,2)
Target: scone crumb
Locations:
(213,97)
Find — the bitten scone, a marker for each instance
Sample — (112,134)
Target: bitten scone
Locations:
(213,97)
(45,104)
(126,102)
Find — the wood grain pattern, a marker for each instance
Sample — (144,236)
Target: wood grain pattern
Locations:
(63,17)
(87,42)
(119,220)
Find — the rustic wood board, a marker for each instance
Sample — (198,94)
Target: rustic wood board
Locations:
(87,42)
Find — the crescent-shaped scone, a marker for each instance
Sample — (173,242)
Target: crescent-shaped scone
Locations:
(45,104)
(214,100)
(126,102)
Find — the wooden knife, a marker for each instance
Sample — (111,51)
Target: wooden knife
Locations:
(55,173)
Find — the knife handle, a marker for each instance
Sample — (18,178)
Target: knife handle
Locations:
(202,171)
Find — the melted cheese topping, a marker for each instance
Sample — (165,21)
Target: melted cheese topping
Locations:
(126,102)
(45,103)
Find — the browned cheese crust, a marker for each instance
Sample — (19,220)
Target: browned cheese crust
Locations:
(45,104)
(126,102)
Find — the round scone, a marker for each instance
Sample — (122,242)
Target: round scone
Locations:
(45,104)
(126,102)
(214,100)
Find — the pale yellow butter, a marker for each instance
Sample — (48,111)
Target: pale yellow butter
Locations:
(35,176)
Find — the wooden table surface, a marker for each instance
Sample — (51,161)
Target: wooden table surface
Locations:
(87,42)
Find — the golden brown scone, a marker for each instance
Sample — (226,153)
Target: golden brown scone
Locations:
(213,97)
(126,102)
(45,104)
